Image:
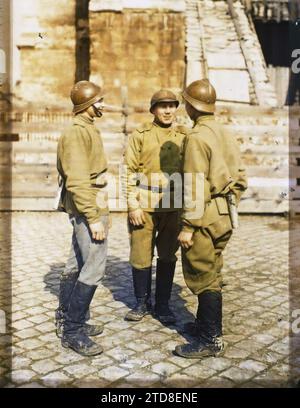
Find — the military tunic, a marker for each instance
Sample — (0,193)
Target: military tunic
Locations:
(215,155)
(153,161)
(82,163)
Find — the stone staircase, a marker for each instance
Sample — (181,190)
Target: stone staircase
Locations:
(221,44)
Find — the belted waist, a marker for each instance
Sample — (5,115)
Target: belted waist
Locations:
(155,189)
(218,195)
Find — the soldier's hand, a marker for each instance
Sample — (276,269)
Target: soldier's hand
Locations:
(137,217)
(98,231)
(185,239)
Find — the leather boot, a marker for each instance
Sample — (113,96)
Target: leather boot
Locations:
(74,335)
(142,291)
(65,290)
(164,281)
(209,321)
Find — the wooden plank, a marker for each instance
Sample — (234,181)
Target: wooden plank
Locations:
(46,204)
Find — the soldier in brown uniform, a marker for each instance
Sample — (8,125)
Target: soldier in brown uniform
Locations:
(82,165)
(214,155)
(154,165)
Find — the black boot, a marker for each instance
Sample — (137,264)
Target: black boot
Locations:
(67,284)
(209,322)
(74,335)
(66,287)
(164,281)
(142,291)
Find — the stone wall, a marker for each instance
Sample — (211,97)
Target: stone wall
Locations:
(44,64)
(142,49)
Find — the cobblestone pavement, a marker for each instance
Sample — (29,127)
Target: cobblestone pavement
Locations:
(139,354)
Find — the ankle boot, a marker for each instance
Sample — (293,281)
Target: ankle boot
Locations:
(74,335)
(209,321)
(142,291)
(164,281)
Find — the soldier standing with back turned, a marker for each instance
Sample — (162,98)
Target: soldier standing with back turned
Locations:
(155,148)
(215,155)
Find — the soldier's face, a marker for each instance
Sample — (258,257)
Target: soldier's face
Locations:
(164,112)
(96,109)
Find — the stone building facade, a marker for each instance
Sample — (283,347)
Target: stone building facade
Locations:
(133,44)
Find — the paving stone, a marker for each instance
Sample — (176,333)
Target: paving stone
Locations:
(139,346)
(218,382)
(45,327)
(133,363)
(22,324)
(29,344)
(91,383)
(237,374)
(154,355)
(233,352)
(119,354)
(32,385)
(199,371)
(19,315)
(38,319)
(45,366)
(80,369)
(20,362)
(102,361)
(263,338)
(68,357)
(252,365)
(164,369)
(249,345)
(179,380)
(217,364)
(26,333)
(112,373)
(55,379)
(22,376)
(40,354)
(143,378)
(280,347)
(267,356)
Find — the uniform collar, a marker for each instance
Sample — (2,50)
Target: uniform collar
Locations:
(203,118)
(164,129)
(81,119)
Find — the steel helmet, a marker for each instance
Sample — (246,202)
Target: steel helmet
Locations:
(84,94)
(163,95)
(201,95)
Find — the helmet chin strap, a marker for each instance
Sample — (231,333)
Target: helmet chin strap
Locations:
(97,111)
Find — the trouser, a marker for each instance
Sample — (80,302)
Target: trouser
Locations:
(87,258)
(161,229)
(202,263)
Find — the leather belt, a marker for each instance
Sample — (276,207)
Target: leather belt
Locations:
(156,189)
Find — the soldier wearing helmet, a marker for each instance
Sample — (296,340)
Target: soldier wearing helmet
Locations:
(207,225)
(82,166)
(153,160)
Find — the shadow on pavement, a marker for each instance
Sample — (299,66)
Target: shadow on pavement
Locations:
(118,280)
